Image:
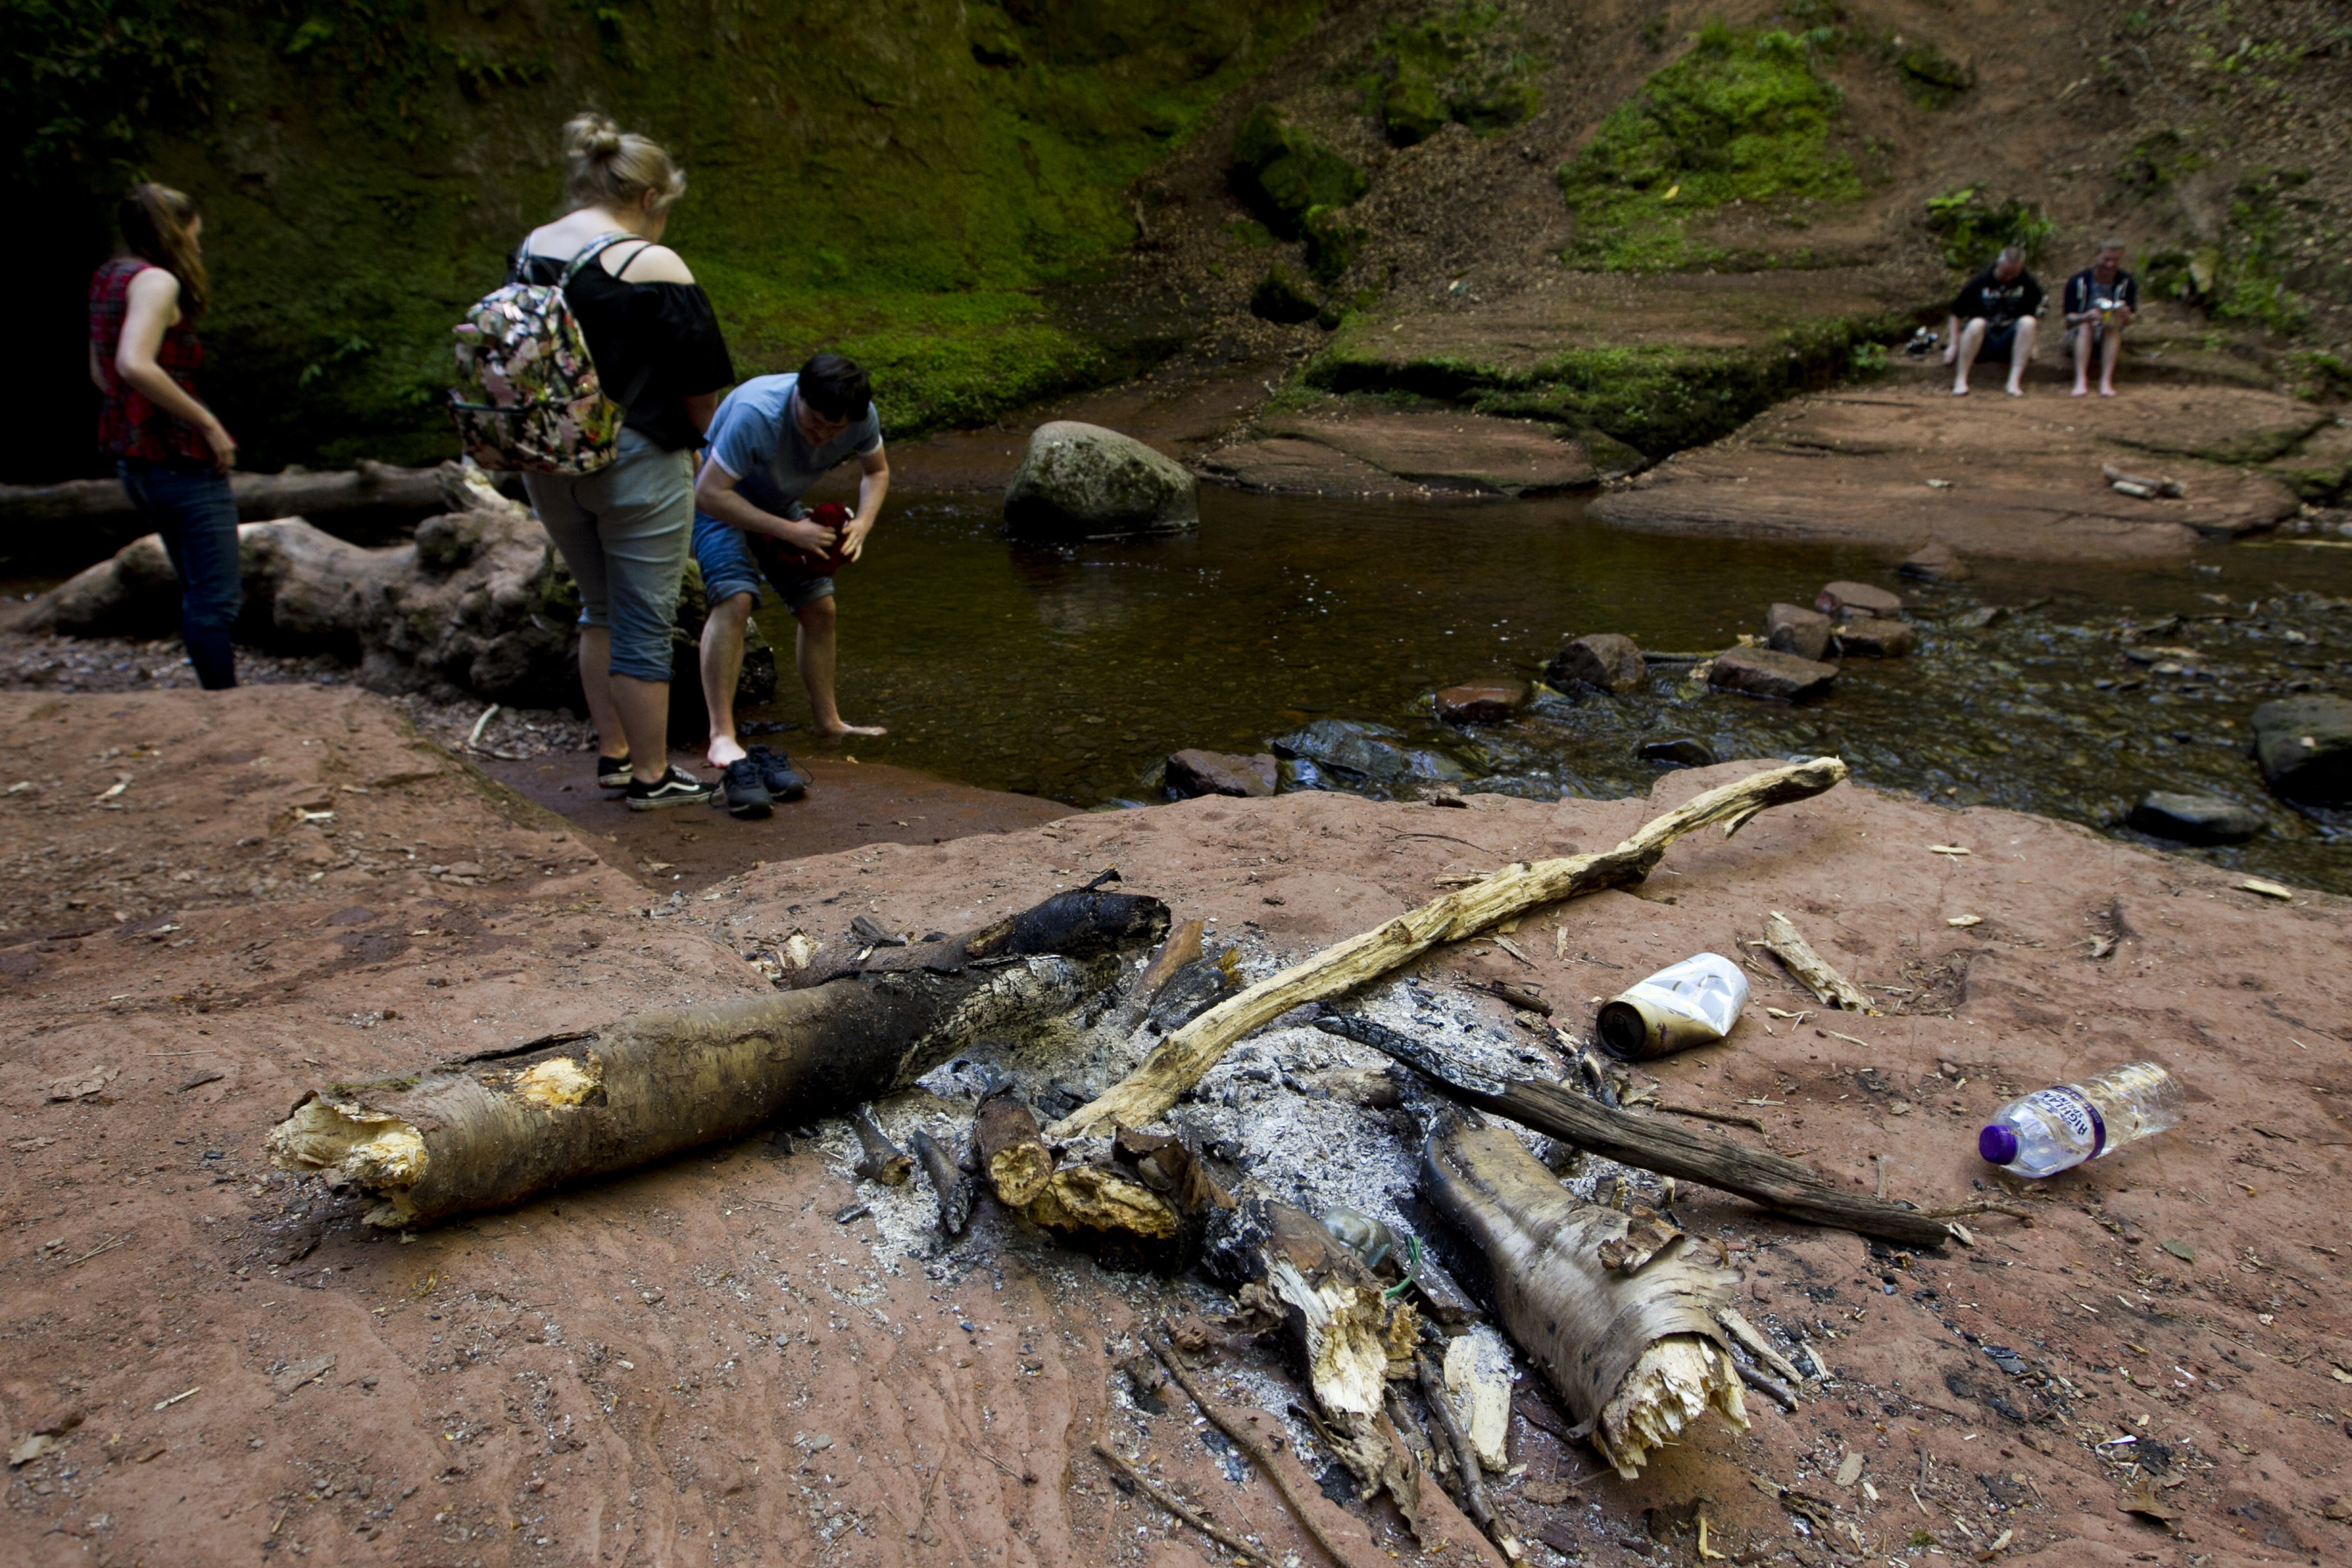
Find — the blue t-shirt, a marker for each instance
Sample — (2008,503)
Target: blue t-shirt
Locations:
(755,437)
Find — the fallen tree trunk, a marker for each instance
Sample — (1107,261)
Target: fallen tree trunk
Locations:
(1638,1358)
(1687,1153)
(495,1130)
(1180,1060)
(386,496)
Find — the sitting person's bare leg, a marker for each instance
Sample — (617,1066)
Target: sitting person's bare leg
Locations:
(1952,339)
(2109,352)
(2079,341)
(2020,350)
(1970,341)
(813,648)
(722,667)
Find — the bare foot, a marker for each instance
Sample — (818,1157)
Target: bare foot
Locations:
(844,731)
(2106,392)
(1961,390)
(2014,390)
(2080,392)
(724,749)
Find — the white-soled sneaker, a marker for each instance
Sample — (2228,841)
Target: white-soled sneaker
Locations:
(675,787)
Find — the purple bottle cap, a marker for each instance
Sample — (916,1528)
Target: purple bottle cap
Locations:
(1997,1143)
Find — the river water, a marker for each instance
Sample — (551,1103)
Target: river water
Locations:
(1070,674)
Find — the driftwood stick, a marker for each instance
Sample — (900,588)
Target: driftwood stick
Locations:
(1757,1345)
(1180,1060)
(1474,1501)
(1253,1447)
(883,1160)
(1174,1505)
(1979,1205)
(1689,1153)
(1782,941)
(952,1185)
(499,1128)
(1779,1391)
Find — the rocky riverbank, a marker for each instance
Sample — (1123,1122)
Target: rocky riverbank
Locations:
(2158,1330)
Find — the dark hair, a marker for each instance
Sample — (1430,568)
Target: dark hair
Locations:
(156,221)
(835,387)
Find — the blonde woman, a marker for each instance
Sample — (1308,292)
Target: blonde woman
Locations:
(623,531)
(172,453)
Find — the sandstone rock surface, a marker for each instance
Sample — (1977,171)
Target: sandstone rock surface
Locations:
(1767,672)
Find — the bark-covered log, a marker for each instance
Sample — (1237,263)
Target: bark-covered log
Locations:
(370,502)
(495,1130)
(882,1161)
(1341,1330)
(1180,1060)
(1638,1358)
(1689,1153)
(1014,1158)
(951,1186)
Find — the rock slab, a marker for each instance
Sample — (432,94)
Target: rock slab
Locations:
(1767,672)
(2188,817)
(1480,701)
(1936,561)
(1793,628)
(1868,636)
(1844,599)
(1679,752)
(1081,481)
(1606,661)
(1193,772)
(2304,745)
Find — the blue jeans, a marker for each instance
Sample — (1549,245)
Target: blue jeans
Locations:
(727,569)
(190,506)
(622,533)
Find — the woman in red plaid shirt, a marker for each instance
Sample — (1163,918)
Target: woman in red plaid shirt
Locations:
(173,454)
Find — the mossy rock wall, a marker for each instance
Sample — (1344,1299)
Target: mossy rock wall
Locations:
(896,182)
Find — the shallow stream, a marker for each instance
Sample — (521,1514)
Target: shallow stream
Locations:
(1071,674)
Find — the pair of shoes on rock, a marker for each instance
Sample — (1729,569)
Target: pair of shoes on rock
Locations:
(757,780)
(675,787)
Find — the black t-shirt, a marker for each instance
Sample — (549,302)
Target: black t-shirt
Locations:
(631,328)
(2082,289)
(1997,303)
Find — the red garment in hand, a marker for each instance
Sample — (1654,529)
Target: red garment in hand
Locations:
(780,560)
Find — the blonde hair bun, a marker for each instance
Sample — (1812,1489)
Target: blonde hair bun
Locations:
(609,167)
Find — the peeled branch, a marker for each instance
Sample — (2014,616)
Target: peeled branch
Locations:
(1180,1061)
(1782,941)
(1638,1359)
(883,1160)
(495,1129)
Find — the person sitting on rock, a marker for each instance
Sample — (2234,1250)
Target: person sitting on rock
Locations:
(1994,317)
(773,437)
(2100,302)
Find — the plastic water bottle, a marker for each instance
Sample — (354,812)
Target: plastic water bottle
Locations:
(2061,1128)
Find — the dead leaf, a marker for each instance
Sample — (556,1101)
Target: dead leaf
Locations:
(30,1447)
(2147,1502)
(1849,1469)
(2181,1250)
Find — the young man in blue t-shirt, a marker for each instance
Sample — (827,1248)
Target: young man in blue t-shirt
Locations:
(773,437)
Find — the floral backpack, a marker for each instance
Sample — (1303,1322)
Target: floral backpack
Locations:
(526,394)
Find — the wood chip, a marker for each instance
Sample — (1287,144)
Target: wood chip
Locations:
(2267,890)
(1948,849)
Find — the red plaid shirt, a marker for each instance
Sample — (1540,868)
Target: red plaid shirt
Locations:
(129,425)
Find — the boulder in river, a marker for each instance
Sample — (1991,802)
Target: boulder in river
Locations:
(1193,773)
(1606,661)
(1679,752)
(1481,701)
(1867,637)
(1767,672)
(1082,481)
(2194,818)
(1345,751)
(1793,628)
(2304,745)
(1843,600)
(1936,561)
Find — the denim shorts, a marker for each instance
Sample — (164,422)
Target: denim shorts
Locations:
(728,570)
(623,531)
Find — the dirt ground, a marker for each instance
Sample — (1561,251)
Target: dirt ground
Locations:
(209,1361)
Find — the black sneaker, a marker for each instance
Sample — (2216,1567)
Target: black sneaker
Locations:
(784,781)
(613,773)
(677,787)
(747,795)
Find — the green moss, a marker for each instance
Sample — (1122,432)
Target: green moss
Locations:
(1971,230)
(910,184)
(1283,170)
(1656,399)
(1742,116)
(1283,296)
(1455,64)
(1932,77)
(2316,375)
(1332,242)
